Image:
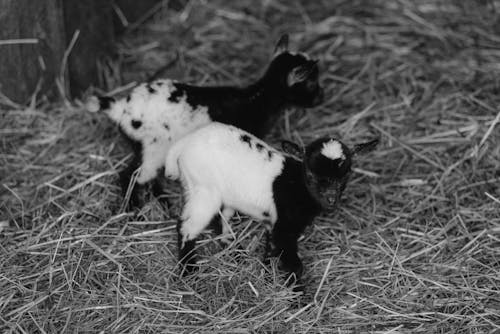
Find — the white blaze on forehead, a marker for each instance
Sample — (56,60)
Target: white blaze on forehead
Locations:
(305,55)
(333,150)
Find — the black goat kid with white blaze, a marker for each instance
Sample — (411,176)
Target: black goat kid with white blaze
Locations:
(223,168)
(158,113)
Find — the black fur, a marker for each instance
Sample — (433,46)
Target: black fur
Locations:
(323,166)
(296,209)
(105,102)
(150,89)
(326,178)
(136,124)
(246,139)
(252,108)
(126,174)
(300,192)
(187,256)
(176,95)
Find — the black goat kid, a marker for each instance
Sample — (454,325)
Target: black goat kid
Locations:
(223,168)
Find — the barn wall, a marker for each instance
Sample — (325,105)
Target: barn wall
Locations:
(94,20)
(22,65)
(53,23)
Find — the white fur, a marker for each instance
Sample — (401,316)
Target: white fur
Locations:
(155,111)
(92,104)
(218,169)
(227,232)
(305,55)
(333,150)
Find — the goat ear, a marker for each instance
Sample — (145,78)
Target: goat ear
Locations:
(300,73)
(282,45)
(291,148)
(365,147)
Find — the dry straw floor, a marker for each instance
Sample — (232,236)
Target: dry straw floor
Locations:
(414,246)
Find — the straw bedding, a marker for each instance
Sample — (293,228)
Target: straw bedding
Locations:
(414,246)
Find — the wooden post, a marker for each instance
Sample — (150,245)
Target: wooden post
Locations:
(53,24)
(23,65)
(94,20)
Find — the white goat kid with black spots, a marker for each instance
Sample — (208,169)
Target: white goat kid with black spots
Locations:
(224,168)
(158,113)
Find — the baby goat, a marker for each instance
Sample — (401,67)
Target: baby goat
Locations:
(158,113)
(224,168)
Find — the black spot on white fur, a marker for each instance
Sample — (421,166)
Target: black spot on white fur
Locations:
(105,102)
(150,89)
(136,124)
(246,139)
